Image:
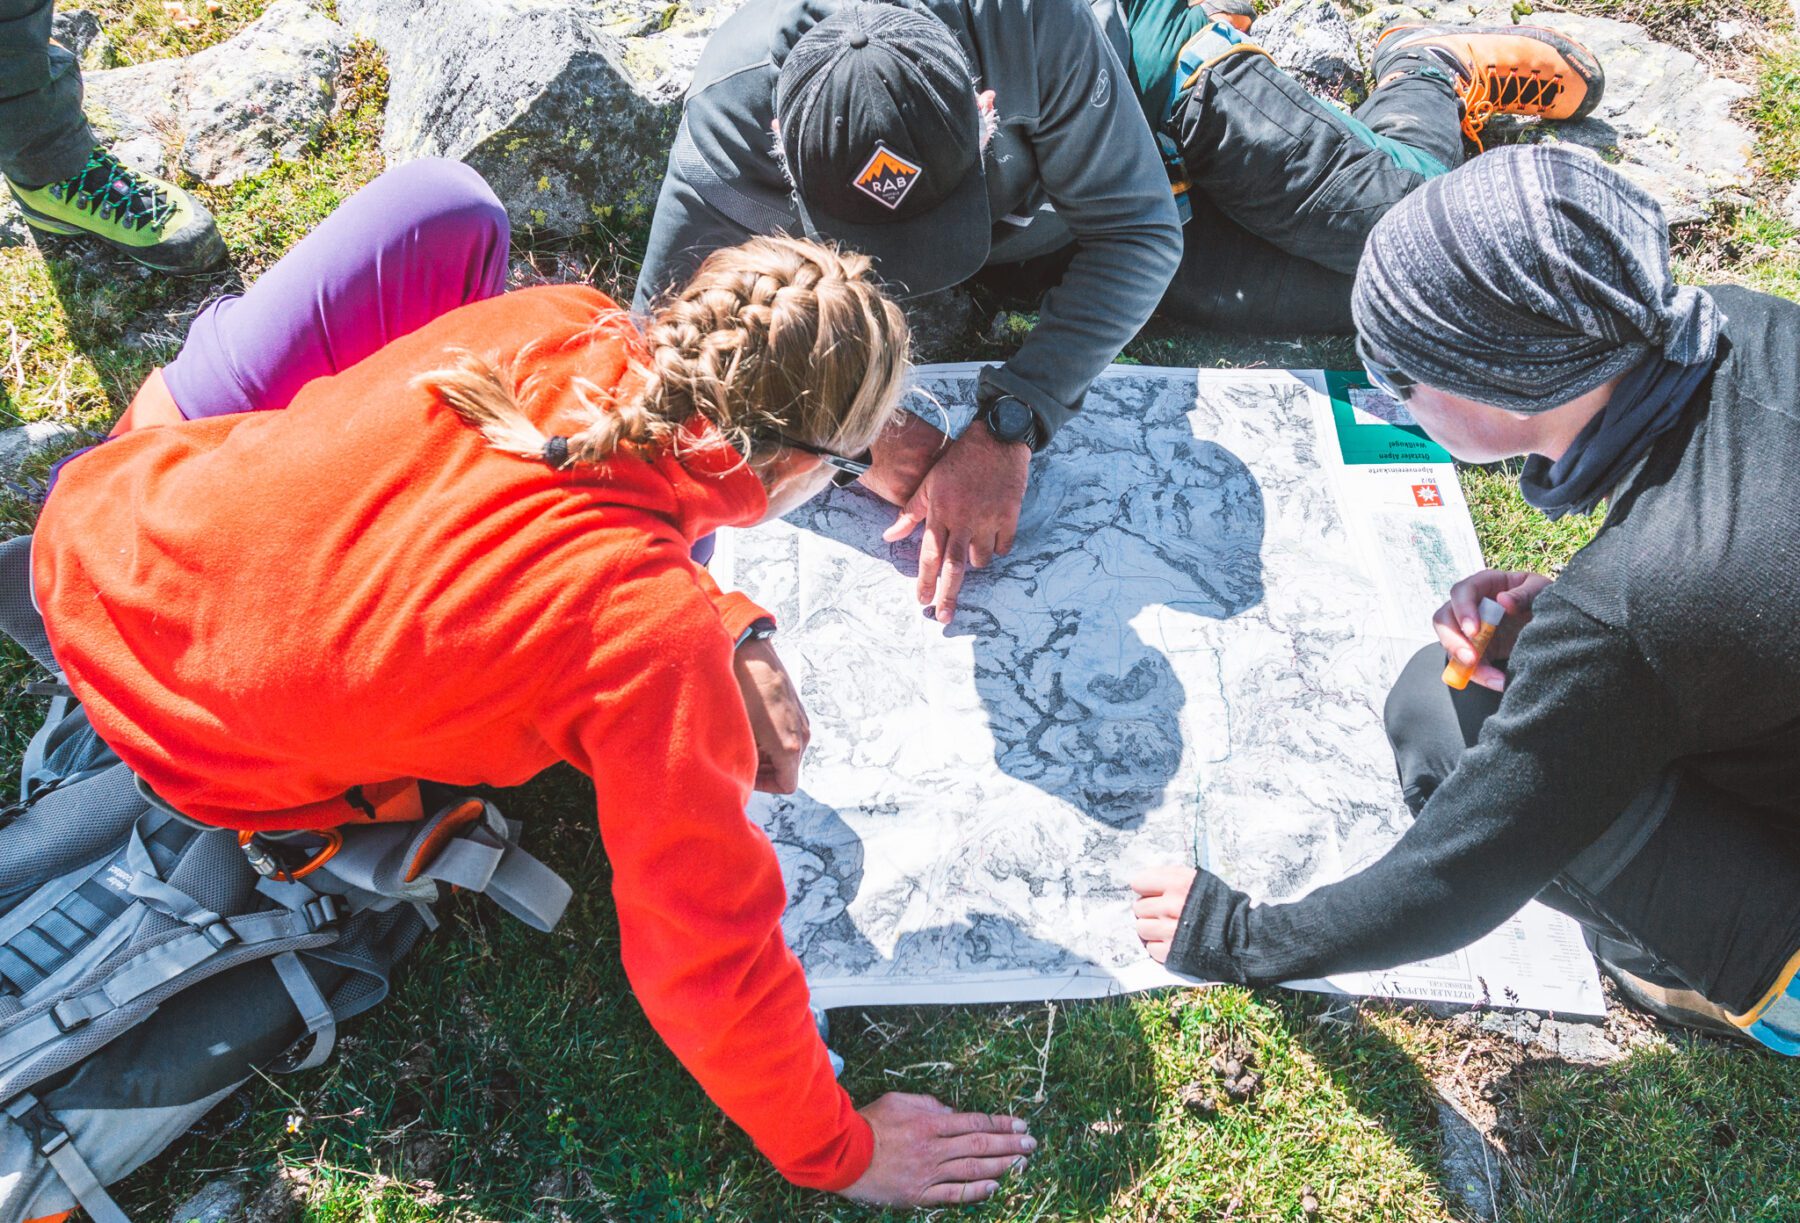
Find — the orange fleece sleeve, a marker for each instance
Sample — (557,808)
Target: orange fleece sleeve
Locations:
(736,610)
(649,709)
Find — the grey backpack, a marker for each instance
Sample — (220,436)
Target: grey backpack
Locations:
(150,966)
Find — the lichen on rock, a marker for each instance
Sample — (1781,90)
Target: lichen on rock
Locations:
(229,111)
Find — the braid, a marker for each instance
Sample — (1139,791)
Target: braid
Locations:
(778,335)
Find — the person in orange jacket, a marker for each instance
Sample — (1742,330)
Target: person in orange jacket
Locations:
(462,552)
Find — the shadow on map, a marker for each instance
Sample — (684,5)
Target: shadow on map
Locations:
(1080,703)
(824,867)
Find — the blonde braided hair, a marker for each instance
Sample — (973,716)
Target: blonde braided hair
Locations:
(774,335)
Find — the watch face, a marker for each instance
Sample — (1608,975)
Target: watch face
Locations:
(1010,419)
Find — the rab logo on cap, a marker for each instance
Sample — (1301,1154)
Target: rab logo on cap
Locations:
(886,177)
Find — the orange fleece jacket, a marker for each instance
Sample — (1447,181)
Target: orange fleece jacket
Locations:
(261,611)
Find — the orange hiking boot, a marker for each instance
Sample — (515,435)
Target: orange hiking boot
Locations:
(1500,70)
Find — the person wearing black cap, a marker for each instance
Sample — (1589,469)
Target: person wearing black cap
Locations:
(1633,762)
(937,136)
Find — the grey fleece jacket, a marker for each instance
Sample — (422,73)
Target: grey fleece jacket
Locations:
(1072,160)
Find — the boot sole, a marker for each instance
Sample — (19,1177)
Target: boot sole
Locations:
(1671,1013)
(212,248)
(1585,63)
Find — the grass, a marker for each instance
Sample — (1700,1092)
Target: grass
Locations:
(512,1076)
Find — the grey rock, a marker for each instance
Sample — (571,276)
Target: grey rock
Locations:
(941,324)
(1665,122)
(1585,1043)
(1790,207)
(79,31)
(1312,39)
(13,230)
(232,110)
(220,1201)
(1472,1169)
(20,444)
(280,1200)
(566,107)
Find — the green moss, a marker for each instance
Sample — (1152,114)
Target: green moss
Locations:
(1775,110)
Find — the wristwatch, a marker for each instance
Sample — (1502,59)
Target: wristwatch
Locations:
(1010,419)
(761,629)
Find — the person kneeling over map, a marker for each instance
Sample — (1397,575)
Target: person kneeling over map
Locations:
(1635,763)
(461,552)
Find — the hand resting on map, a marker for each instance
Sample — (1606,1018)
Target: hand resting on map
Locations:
(777,718)
(1193,922)
(1162,893)
(1459,619)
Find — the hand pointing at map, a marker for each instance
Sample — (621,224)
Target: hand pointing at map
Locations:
(969,505)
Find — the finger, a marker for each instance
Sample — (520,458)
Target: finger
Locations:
(981,550)
(1159,880)
(904,525)
(949,583)
(979,1169)
(983,1146)
(981,1123)
(931,559)
(785,776)
(1160,905)
(1150,882)
(1453,642)
(1489,676)
(1465,601)
(1155,929)
(952,1193)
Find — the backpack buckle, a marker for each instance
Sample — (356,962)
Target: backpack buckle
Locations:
(72,1013)
(319,912)
(40,1125)
(220,934)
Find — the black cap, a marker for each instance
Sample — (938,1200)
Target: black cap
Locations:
(882,137)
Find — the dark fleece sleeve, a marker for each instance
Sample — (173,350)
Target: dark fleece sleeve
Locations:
(1584,725)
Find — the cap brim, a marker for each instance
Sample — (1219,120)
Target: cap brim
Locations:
(921,254)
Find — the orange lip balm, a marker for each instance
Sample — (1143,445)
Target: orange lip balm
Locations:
(1456,674)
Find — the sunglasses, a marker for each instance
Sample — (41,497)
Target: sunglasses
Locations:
(1383,376)
(845,470)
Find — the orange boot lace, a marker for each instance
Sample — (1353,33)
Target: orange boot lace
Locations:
(1493,90)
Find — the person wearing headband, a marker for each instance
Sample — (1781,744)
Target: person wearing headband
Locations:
(1628,752)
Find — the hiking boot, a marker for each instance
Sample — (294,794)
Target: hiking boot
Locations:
(1500,70)
(1676,1004)
(156,223)
(1238,14)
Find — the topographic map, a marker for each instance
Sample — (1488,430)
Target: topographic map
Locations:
(1183,659)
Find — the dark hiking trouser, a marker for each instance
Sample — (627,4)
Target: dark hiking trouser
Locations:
(1285,189)
(44,137)
(1689,886)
